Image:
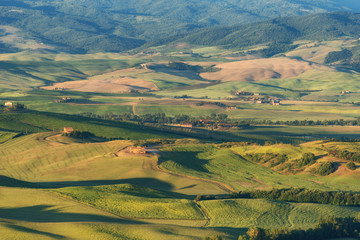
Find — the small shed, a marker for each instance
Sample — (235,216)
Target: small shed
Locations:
(68,129)
(8,104)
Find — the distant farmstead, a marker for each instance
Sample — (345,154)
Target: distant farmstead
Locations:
(68,129)
(144,66)
(8,104)
(137,150)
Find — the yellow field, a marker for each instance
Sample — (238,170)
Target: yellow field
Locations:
(56,161)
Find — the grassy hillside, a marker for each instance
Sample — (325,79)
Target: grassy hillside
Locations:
(21,73)
(324,26)
(33,121)
(100,190)
(134,201)
(48,216)
(231,167)
(314,84)
(54,160)
(93,26)
(246,213)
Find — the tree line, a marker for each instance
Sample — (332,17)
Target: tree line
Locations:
(326,228)
(161,118)
(298,195)
(216,118)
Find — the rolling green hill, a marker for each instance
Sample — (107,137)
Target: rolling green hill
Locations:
(230,166)
(324,26)
(271,214)
(34,122)
(93,26)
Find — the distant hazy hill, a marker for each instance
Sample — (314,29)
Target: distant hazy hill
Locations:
(324,26)
(117,25)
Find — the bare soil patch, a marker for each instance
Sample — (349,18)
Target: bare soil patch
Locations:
(260,69)
(116,85)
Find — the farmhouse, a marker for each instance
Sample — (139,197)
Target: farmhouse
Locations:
(186,125)
(241,92)
(68,130)
(275,102)
(144,66)
(137,150)
(259,101)
(206,121)
(8,104)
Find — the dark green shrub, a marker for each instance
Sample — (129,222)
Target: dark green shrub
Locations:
(351,166)
(326,168)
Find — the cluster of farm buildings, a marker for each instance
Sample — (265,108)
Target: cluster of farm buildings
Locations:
(257,98)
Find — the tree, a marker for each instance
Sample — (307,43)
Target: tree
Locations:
(351,166)
(256,233)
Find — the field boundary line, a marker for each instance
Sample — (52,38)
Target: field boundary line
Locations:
(205,213)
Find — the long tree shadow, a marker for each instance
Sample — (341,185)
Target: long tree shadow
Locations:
(144,182)
(47,213)
(12,182)
(193,75)
(186,159)
(31,231)
(235,232)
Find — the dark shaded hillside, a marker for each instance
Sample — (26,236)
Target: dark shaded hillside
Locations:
(325,26)
(113,25)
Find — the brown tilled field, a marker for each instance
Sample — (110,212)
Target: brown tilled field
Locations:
(260,69)
(112,82)
(118,85)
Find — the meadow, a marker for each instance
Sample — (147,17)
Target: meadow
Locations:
(136,202)
(96,189)
(244,213)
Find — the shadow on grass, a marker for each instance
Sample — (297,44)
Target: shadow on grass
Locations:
(31,231)
(192,75)
(12,182)
(187,160)
(144,182)
(235,232)
(47,213)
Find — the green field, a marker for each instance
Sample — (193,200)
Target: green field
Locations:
(33,121)
(245,213)
(134,201)
(48,216)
